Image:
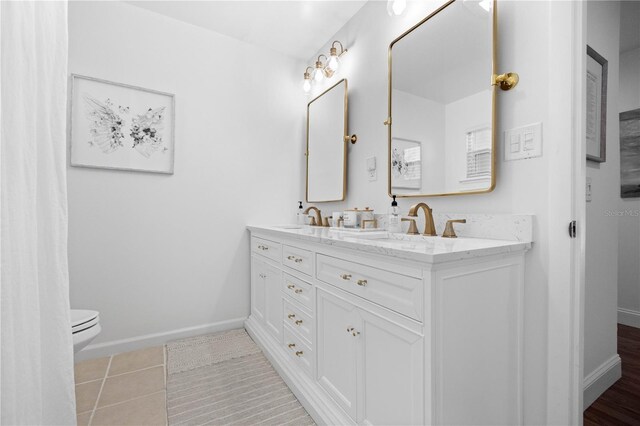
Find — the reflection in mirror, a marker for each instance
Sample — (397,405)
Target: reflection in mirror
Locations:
(441,102)
(326,146)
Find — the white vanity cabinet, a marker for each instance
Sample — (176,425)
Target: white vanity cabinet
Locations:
(391,334)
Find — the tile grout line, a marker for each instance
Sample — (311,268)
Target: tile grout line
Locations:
(131,399)
(104,379)
(135,371)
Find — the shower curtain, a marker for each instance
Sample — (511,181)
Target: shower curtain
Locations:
(36,350)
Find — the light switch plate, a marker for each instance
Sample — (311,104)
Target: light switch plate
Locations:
(588,194)
(523,142)
(372,171)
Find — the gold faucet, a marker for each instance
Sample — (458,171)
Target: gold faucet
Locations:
(429,226)
(315,221)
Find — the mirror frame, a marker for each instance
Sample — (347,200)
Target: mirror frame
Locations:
(344,141)
(389,121)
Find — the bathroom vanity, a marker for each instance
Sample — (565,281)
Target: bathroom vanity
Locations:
(391,329)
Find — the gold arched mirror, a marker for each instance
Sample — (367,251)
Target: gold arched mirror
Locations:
(441,121)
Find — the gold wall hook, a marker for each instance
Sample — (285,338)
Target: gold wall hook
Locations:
(353,139)
(387,122)
(506,81)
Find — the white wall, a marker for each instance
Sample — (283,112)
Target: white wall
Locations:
(155,253)
(525,187)
(629,224)
(600,334)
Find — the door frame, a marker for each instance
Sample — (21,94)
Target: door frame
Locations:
(566,189)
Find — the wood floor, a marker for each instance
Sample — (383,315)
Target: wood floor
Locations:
(620,404)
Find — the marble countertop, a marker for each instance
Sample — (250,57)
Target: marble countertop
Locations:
(411,247)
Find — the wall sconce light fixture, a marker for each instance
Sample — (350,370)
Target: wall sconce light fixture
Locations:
(306,85)
(334,58)
(323,70)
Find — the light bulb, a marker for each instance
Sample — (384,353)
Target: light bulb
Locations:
(396,7)
(317,75)
(333,63)
(306,86)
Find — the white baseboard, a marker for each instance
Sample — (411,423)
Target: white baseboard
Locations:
(125,345)
(629,317)
(601,379)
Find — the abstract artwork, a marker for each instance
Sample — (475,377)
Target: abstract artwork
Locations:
(117,126)
(630,154)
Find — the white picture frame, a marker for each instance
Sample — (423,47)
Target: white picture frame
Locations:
(121,127)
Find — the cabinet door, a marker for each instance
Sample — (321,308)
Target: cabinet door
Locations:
(273,300)
(257,288)
(390,373)
(337,349)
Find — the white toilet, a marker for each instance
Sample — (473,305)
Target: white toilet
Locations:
(85,326)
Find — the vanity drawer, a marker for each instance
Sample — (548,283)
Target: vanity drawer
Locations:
(298,259)
(266,248)
(298,290)
(299,351)
(299,321)
(395,291)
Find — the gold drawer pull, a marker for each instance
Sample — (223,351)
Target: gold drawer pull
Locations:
(345,277)
(290,257)
(291,316)
(362,283)
(355,333)
(298,322)
(350,329)
(263,276)
(291,345)
(298,291)
(299,353)
(261,247)
(298,260)
(291,286)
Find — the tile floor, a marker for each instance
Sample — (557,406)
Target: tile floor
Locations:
(123,389)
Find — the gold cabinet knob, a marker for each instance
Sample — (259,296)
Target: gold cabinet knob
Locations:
(291,345)
(362,283)
(345,277)
(291,286)
(290,257)
(298,322)
(297,291)
(350,329)
(298,260)
(355,333)
(299,353)
(291,316)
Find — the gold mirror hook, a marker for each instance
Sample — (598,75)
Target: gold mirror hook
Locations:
(506,81)
(353,139)
(387,122)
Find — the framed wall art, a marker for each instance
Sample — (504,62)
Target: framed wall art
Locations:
(596,132)
(118,126)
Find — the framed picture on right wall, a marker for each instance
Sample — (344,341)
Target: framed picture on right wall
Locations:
(596,131)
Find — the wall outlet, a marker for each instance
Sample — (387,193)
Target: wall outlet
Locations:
(372,171)
(523,142)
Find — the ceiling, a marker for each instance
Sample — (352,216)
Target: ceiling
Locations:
(295,28)
(629,25)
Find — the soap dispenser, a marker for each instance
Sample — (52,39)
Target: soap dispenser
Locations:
(300,217)
(394,222)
